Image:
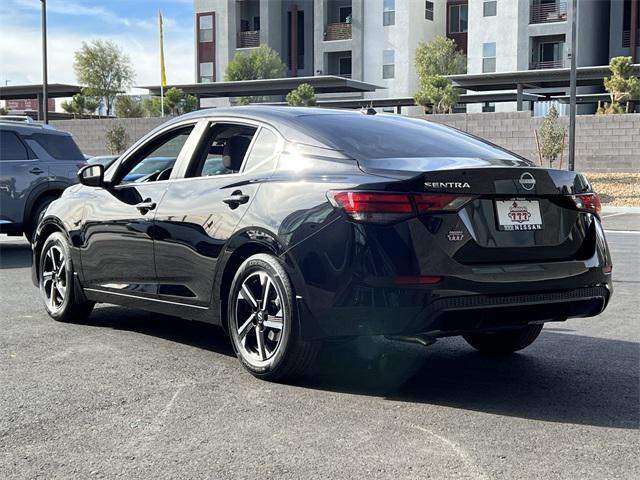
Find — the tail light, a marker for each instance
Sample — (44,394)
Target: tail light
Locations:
(382,207)
(588,202)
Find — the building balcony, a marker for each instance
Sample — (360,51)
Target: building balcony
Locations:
(249,39)
(548,12)
(546,64)
(337,31)
(626,38)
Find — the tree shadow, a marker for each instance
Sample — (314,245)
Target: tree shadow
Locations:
(15,255)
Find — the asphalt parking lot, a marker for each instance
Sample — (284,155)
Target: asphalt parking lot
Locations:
(137,395)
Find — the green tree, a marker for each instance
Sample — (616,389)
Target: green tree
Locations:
(81,104)
(622,85)
(4,110)
(151,107)
(435,60)
(104,70)
(127,106)
(438,92)
(116,138)
(260,63)
(303,95)
(551,137)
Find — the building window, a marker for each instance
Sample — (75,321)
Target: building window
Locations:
(344,67)
(489,107)
(389,12)
(428,10)
(345,14)
(388,64)
(206,72)
(458,18)
(489,8)
(205,28)
(489,57)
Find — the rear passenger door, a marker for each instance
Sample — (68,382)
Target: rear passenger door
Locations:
(20,174)
(59,155)
(200,211)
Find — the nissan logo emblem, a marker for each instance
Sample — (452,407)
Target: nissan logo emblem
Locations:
(527,181)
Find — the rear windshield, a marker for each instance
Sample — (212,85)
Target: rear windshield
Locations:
(384,136)
(61,147)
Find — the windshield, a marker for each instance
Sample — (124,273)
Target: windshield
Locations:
(384,136)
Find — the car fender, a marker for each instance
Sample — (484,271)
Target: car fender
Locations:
(55,188)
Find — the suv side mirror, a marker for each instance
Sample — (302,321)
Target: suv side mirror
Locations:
(92,175)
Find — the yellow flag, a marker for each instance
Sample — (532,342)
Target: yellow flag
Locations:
(163,76)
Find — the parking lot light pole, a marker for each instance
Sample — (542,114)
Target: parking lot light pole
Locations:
(572,87)
(45,93)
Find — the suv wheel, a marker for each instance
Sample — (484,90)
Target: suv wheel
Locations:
(504,342)
(57,282)
(35,214)
(263,321)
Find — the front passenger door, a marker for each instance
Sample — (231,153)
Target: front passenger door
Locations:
(117,253)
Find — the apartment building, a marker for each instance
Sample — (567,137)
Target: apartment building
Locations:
(369,40)
(625,19)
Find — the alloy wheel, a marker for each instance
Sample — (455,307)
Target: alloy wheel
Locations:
(259,318)
(54,278)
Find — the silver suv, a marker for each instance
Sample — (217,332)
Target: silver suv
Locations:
(37,162)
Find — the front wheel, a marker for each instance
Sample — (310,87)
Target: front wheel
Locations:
(57,282)
(263,321)
(508,341)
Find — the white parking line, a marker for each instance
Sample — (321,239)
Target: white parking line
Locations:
(622,231)
(616,214)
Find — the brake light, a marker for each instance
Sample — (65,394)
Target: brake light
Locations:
(418,280)
(382,207)
(588,202)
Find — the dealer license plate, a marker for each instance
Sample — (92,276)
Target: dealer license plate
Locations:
(518,215)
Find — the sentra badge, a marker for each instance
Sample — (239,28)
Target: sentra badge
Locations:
(447,185)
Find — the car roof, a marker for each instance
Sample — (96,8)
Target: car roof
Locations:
(283,119)
(24,128)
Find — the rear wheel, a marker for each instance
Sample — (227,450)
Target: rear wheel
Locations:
(35,214)
(263,321)
(508,341)
(57,282)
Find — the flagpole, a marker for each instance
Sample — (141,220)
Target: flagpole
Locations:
(163,78)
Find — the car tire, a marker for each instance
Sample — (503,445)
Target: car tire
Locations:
(35,214)
(508,341)
(57,282)
(263,321)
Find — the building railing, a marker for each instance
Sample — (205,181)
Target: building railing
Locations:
(337,31)
(547,64)
(626,38)
(548,12)
(249,39)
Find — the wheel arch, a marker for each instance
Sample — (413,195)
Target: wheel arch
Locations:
(49,226)
(54,190)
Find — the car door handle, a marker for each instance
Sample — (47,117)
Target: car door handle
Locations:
(236,198)
(145,206)
(36,171)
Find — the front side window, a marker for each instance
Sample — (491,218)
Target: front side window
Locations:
(155,161)
(428,10)
(205,28)
(388,64)
(489,57)
(458,18)
(11,148)
(389,12)
(489,8)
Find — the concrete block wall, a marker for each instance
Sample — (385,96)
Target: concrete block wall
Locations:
(604,143)
(89,134)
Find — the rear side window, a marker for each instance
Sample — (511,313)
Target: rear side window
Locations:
(262,154)
(11,148)
(60,147)
(382,136)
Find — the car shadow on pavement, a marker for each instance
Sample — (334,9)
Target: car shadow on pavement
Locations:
(195,334)
(15,255)
(561,378)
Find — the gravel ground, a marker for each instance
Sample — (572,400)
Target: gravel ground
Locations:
(136,395)
(617,189)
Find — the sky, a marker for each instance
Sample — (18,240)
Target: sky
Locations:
(130,24)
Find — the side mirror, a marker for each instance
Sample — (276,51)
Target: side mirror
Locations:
(92,175)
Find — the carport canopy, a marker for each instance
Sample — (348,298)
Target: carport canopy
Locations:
(272,86)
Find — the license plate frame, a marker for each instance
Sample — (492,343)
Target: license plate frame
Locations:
(516,215)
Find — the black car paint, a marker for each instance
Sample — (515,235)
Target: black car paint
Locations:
(178,258)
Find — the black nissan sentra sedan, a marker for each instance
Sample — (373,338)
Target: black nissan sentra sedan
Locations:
(290,226)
